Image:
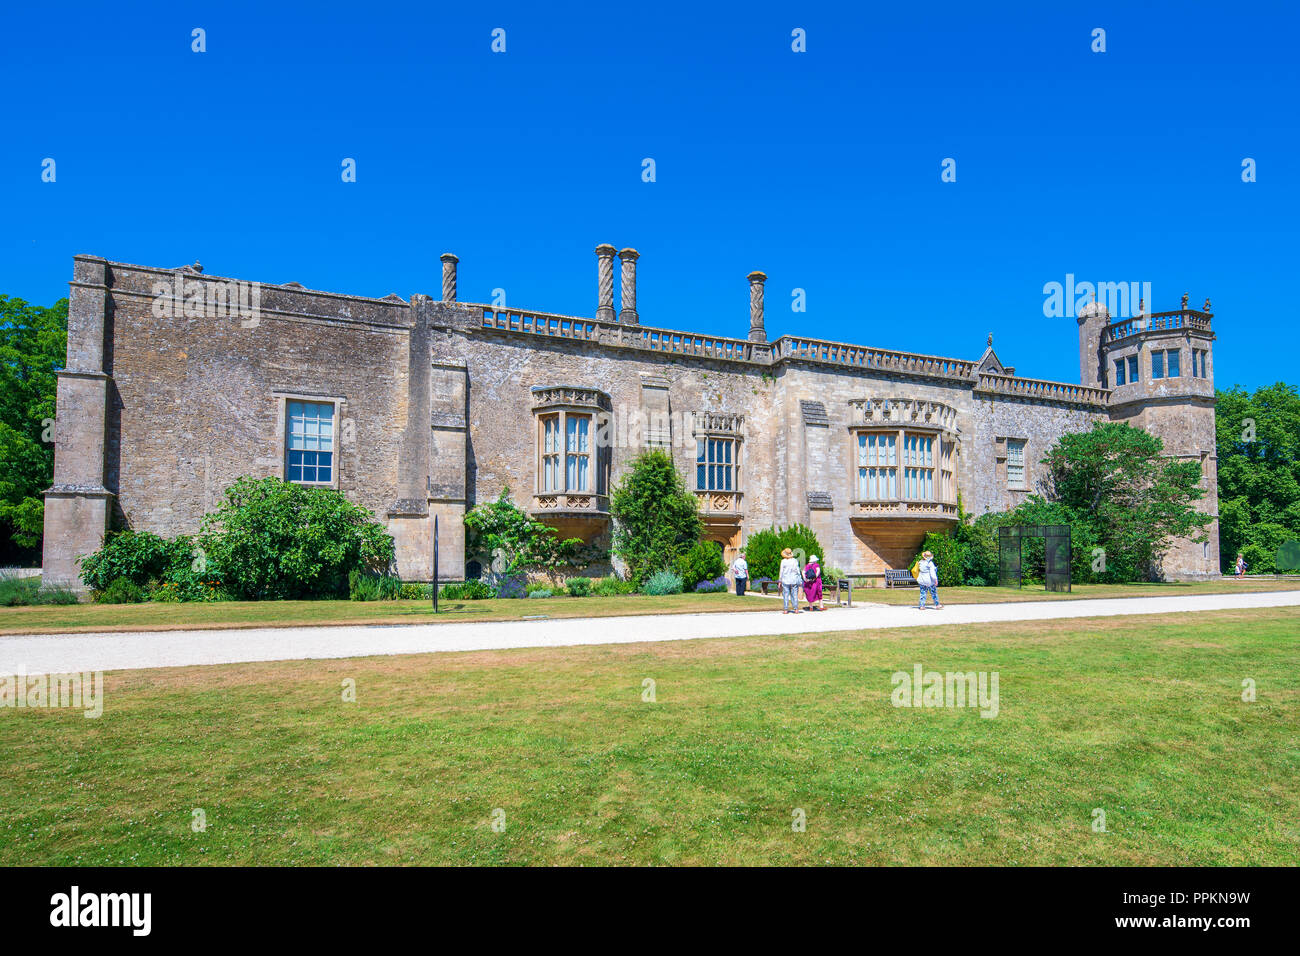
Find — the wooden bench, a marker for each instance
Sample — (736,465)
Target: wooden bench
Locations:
(900,579)
(761,584)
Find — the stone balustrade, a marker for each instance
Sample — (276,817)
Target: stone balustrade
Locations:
(903,508)
(1041,390)
(582,502)
(791,348)
(857,356)
(1192,319)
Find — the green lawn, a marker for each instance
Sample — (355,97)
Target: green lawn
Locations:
(134,617)
(223,614)
(1141,717)
(1038,593)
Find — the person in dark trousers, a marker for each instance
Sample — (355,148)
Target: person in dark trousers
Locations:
(740,570)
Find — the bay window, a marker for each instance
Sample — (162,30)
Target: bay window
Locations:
(877,466)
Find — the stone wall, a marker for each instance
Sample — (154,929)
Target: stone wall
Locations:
(161,410)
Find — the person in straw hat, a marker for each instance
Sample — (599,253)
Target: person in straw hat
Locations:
(927,576)
(790,578)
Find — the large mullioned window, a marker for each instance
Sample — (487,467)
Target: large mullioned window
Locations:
(877,466)
(715,464)
(551,453)
(565,462)
(918,467)
(577,450)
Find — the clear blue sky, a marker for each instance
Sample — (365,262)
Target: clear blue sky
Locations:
(820,168)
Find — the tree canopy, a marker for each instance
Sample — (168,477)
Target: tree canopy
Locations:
(33,346)
(655,517)
(1258,447)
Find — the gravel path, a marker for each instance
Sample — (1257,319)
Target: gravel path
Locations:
(60,653)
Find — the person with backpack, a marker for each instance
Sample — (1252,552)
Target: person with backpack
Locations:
(1241,565)
(927,578)
(812,584)
(790,578)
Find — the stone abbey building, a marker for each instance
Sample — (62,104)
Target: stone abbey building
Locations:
(178,382)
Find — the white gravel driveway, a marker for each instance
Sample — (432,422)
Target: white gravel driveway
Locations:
(58,653)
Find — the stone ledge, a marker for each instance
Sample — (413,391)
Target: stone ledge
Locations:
(78,491)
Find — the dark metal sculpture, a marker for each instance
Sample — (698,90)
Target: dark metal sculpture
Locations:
(1056,554)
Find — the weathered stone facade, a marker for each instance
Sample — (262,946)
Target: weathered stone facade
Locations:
(437,405)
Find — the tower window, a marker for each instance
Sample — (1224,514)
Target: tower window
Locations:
(1172,363)
(1132,368)
(1119,371)
(1158,364)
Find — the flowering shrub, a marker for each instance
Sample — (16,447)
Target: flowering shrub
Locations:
(710,587)
(512,586)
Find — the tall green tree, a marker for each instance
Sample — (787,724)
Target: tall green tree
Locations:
(33,346)
(1118,488)
(1258,448)
(655,517)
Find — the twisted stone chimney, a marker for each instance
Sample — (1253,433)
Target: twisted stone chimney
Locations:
(627,314)
(449,277)
(756,331)
(605,282)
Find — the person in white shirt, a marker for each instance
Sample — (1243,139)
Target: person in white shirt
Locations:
(791,579)
(740,571)
(927,576)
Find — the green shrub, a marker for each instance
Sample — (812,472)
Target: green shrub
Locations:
(578,587)
(120,591)
(273,539)
(663,582)
(412,591)
(609,587)
(702,562)
(949,557)
(540,593)
(763,549)
(55,594)
(451,592)
(477,591)
(18,592)
(364,586)
(137,556)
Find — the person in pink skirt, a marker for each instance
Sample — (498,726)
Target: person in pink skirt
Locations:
(812,584)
